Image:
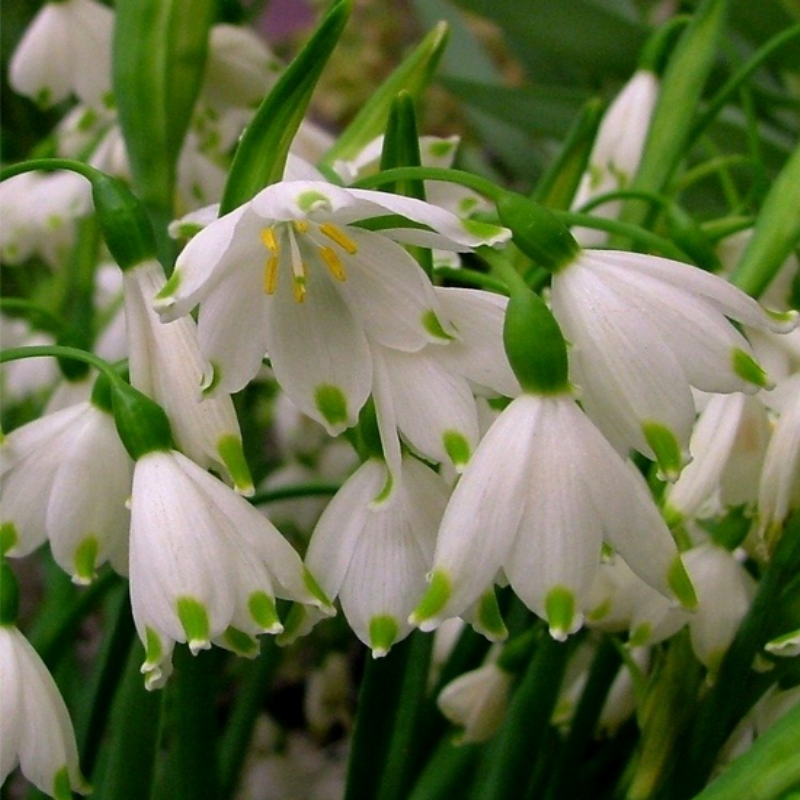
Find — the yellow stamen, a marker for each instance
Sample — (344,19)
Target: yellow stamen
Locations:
(333,263)
(271,275)
(268,240)
(300,225)
(340,237)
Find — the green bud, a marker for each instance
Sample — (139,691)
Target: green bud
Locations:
(535,345)
(101,393)
(141,423)
(537,232)
(124,222)
(9,595)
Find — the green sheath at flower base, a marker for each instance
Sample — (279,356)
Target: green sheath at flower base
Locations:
(9,595)
(535,231)
(126,227)
(101,393)
(535,345)
(141,423)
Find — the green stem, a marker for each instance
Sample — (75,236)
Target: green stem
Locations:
(249,703)
(722,707)
(570,758)
(291,492)
(378,701)
(448,773)
(632,232)
(105,679)
(405,752)
(49,165)
(470,277)
(476,182)
(134,738)
(60,351)
(767,771)
(517,748)
(193,759)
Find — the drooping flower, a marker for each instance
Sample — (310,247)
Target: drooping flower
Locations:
(66,477)
(643,331)
(291,274)
(204,564)
(35,727)
(728,445)
(539,497)
(165,364)
(65,50)
(373,546)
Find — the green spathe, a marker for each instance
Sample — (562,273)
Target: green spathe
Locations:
(141,423)
(535,345)
(537,232)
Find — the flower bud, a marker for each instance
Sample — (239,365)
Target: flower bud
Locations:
(141,422)
(535,345)
(537,232)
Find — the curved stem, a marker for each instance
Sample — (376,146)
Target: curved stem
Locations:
(290,492)
(61,351)
(625,229)
(623,194)
(476,182)
(49,165)
(470,277)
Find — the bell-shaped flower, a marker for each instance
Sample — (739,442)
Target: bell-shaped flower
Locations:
(476,701)
(441,380)
(66,477)
(645,329)
(204,564)
(725,591)
(728,445)
(165,364)
(779,487)
(291,274)
(65,50)
(617,149)
(373,547)
(541,494)
(35,727)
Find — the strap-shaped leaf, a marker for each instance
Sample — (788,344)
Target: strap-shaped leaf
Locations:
(261,156)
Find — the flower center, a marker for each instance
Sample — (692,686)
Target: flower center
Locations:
(283,243)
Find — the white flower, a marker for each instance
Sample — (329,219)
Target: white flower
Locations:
(204,564)
(165,364)
(728,445)
(617,149)
(476,701)
(35,727)
(65,50)
(373,546)
(724,593)
(289,273)
(38,212)
(541,493)
(779,488)
(644,330)
(66,478)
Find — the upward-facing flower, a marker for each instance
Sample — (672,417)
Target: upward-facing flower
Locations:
(291,274)
(66,50)
(35,727)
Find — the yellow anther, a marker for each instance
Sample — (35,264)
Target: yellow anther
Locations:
(333,263)
(271,275)
(268,239)
(340,237)
(299,288)
(300,225)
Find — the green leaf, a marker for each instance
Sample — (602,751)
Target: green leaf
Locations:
(549,110)
(160,51)
(261,156)
(412,76)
